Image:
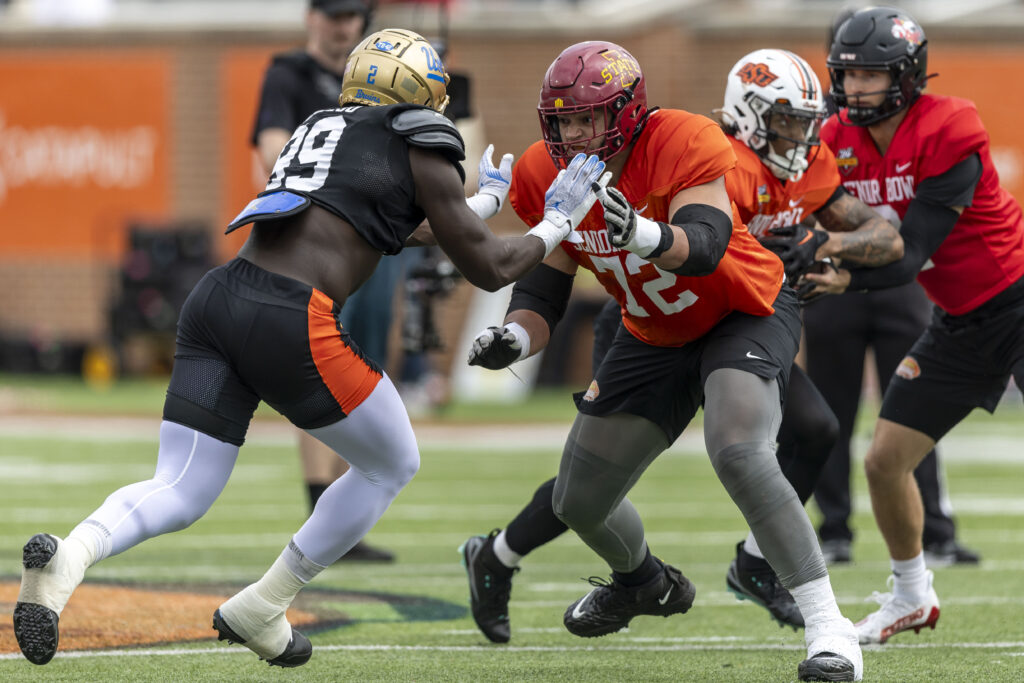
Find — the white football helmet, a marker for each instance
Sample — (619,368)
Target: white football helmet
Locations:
(775,95)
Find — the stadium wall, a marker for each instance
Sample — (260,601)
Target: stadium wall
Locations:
(99,129)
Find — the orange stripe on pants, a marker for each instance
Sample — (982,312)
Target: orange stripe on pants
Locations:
(347,376)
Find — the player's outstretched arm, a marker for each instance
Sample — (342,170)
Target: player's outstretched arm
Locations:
(487,261)
(857,233)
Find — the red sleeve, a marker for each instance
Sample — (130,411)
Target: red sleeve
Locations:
(952,136)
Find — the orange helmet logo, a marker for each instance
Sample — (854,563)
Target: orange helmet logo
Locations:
(758,74)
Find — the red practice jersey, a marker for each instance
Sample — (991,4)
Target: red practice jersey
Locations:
(676,150)
(984,253)
(765,202)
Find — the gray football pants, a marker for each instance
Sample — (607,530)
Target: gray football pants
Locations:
(604,457)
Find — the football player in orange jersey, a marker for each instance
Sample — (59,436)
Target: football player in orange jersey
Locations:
(774,106)
(706,321)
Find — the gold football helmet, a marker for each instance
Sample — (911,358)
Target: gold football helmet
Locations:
(392,66)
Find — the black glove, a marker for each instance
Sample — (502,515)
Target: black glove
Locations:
(495,348)
(619,217)
(804,288)
(796,246)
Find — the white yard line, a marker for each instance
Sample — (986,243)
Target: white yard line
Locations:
(669,646)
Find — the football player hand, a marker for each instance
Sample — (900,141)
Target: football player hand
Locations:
(494,181)
(626,230)
(499,347)
(797,246)
(569,197)
(821,279)
(568,200)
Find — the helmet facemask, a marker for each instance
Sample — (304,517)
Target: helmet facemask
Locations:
(605,143)
(798,127)
(902,91)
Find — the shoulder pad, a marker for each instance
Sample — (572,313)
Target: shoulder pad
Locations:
(426,128)
(268,206)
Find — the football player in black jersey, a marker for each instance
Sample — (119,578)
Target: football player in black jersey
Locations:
(351,185)
(297,83)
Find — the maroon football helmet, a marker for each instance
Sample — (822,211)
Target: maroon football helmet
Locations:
(601,78)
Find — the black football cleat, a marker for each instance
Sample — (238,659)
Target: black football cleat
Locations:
(752,578)
(610,606)
(490,587)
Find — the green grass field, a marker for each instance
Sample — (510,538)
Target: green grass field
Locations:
(53,475)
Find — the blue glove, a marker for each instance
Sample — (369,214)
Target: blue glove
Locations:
(568,199)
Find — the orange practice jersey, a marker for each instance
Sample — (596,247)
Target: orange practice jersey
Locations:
(676,150)
(765,202)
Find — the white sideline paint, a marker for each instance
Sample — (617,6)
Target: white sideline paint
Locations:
(966,445)
(497,651)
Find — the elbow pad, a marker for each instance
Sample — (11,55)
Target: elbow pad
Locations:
(708,230)
(545,291)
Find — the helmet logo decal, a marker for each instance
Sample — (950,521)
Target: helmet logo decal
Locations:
(384,46)
(626,69)
(434,66)
(758,74)
(559,103)
(907,30)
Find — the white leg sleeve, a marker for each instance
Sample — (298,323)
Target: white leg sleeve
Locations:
(191,471)
(376,439)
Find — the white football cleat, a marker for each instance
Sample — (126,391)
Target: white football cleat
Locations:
(833,653)
(897,615)
(51,571)
(262,627)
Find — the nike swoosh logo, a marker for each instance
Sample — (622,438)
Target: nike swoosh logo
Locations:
(642,208)
(795,202)
(663,600)
(900,168)
(808,236)
(577,611)
(750,355)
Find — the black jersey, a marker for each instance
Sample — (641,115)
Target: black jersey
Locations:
(354,162)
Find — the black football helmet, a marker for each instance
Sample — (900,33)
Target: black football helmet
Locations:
(879,39)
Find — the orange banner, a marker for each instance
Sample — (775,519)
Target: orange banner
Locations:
(84,148)
(243,177)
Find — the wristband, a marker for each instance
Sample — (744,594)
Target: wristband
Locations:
(647,237)
(522,337)
(484,205)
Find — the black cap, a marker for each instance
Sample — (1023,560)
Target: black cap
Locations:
(335,7)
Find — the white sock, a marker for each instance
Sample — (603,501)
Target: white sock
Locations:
(505,555)
(816,601)
(91,536)
(910,577)
(750,546)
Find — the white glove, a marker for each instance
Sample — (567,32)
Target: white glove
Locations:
(569,198)
(491,182)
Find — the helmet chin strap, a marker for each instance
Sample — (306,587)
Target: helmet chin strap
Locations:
(789,166)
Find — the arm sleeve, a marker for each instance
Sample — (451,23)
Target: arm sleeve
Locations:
(928,221)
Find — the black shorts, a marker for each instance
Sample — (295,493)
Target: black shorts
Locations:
(666,384)
(247,334)
(959,363)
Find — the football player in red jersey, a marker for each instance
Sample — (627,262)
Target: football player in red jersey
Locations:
(926,159)
(706,320)
(350,186)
